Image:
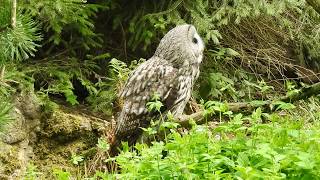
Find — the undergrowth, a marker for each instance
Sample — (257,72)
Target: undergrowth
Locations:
(261,145)
(244,147)
(283,148)
(252,46)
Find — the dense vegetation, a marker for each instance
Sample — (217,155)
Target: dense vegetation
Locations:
(75,54)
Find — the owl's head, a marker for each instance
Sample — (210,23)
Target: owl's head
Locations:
(181,46)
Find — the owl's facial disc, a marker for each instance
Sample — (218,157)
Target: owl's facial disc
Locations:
(196,44)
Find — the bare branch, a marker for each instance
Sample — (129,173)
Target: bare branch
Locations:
(302,94)
(2,71)
(14,14)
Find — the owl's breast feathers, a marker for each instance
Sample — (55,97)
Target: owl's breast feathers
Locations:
(153,76)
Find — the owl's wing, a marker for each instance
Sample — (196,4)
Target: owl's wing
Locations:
(153,76)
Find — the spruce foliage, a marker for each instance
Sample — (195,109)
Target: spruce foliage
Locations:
(82,52)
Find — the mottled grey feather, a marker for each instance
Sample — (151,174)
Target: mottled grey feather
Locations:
(170,72)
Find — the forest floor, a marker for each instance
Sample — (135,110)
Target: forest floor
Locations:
(56,141)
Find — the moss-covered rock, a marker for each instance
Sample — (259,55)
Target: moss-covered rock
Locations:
(15,140)
(67,133)
(40,142)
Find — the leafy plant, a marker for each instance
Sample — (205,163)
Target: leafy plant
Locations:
(103,145)
(76,159)
(62,175)
(276,150)
(283,105)
(20,43)
(155,104)
(72,17)
(5,109)
(32,172)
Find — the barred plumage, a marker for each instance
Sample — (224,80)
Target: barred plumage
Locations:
(170,72)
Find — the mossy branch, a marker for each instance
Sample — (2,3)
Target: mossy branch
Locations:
(198,117)
(301,94)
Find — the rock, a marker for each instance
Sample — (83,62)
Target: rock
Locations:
(46,141)
(15,140)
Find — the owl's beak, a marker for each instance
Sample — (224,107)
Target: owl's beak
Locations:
(189,27)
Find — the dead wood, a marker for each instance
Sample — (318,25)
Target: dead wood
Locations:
(302,94)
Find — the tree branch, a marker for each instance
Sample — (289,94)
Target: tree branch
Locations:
(302,94)
(198,117)
(315,5)
(2,70)
(14,14)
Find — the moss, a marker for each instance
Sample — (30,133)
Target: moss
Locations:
(9,161)
(67,132)
(63,123)
(61,136)
(50,155)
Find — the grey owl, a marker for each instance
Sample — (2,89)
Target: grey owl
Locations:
(170,72)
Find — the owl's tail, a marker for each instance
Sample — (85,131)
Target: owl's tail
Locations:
(114,147)
(117,139)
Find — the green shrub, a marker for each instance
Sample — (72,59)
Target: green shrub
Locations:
(285,148)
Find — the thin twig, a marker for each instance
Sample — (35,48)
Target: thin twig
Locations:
(125,42)
(173,7)
(2,71)
(14,14)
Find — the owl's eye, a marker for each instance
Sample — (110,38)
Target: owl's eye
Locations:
(195,40)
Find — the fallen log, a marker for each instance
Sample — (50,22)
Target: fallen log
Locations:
(198,117)
(301,94)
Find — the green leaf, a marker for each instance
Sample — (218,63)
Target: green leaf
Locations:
(71,98)
(256,115)
(62,175)
(103,145)
(238,119)
(232,52)
(258,103)
(75,159)
(149,130)
(283,105)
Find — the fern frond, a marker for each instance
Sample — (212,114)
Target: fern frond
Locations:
(68,17)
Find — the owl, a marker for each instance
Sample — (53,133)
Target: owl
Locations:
(171,73)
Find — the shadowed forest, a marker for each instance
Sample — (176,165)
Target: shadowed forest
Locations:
(254,112)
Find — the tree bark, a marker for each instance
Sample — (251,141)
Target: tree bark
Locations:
(14,14)
(198,117)
(302,94)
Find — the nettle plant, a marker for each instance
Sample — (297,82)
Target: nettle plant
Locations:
(242,148)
